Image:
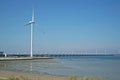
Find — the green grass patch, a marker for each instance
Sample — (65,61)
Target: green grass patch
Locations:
(18,78)
(91,78)
(73,78)
(85,78)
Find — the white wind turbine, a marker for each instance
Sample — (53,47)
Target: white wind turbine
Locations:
(32,24)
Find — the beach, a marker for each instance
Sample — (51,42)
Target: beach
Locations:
(13,75)
(7,74)
(104,67)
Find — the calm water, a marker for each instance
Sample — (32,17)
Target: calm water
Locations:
(107,67)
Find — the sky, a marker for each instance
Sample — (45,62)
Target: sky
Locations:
(60,24)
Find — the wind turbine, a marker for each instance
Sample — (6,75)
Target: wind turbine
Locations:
(32,24)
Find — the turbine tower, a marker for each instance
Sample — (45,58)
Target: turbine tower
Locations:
(32,24)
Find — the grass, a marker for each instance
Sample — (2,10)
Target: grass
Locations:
(85,78)
(16,78)
(71,78)
(91,78)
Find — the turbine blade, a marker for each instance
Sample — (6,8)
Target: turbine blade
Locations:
(33,15)
(27,24)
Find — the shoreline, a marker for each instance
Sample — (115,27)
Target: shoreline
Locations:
(23,58)
(15,75)
(5,74)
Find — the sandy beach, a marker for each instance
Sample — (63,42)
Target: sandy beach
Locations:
(13,75)
(7,74)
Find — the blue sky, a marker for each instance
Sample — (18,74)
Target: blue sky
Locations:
(75,24)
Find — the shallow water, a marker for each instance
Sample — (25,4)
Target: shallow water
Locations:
(106,67)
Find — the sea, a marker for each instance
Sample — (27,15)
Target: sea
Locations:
(106,67)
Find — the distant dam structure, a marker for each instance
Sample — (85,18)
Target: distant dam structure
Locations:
(66,53)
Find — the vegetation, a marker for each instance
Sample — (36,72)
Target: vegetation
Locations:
(16,78)
(71,78)
(91,78)
(85,78)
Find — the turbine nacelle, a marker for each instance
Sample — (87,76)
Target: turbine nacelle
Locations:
(31,22)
